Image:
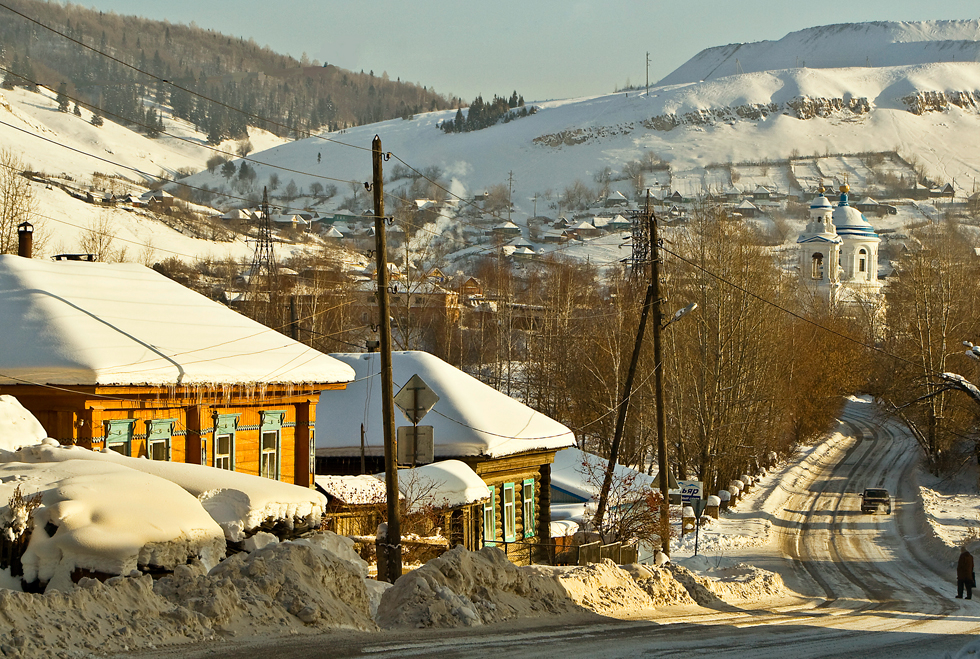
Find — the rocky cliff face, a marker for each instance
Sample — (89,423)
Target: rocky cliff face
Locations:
(922,102)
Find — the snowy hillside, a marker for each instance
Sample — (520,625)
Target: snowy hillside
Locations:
(110,158)
(838,46)
(929,112)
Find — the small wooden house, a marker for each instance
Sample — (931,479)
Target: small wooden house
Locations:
(119,357)
(510,446)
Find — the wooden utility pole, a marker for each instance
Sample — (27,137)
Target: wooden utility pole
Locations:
(391,548)
(658,372)
(652,302)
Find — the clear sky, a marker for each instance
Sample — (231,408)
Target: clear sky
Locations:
(544,49)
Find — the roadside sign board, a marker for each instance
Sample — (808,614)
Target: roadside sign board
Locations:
(699,505)
(690,490)
(415,445)
(415,399)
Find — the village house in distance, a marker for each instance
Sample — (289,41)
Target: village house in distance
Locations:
(118,356)
(509,445)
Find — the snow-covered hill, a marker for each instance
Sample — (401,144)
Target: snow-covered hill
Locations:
(927,111)
(110,158)
(875,44)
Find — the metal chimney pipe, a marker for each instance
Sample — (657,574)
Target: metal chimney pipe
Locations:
(25,239)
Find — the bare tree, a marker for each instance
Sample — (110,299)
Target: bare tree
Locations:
(99,238)
(17,203)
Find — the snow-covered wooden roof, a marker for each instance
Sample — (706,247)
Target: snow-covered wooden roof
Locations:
(470,419)
(71,322)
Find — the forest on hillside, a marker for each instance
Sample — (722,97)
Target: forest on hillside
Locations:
(274,92)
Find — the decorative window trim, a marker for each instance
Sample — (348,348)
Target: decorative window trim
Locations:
(224,425)
(160,431)
(510,513)
(527,498)
(119,432)
(272,420)
(490,518)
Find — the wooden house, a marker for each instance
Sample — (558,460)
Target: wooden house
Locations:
(510,446)
(119,357)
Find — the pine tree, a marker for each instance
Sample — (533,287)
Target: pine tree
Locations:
(97,120)
(63,102)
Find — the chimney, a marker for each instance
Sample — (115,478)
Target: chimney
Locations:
(25,239)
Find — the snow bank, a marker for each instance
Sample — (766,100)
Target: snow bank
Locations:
(18,427)
(729,582)
(90,519)
(659,583)
(239,503)
(312,584)
(463,588)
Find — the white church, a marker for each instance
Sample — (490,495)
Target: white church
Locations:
(839,253)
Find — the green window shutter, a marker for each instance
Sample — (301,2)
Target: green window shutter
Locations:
(119,435)
(510,513)
(225,424)
(528,499)
(272,419)
(490,519)
(158,435)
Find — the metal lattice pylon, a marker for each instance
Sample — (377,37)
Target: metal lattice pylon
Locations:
(263,273)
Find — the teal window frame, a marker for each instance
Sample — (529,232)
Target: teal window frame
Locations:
(527,498)
(270,459)
(119,432)
(509,499)
(159,431)
(490,518)
(225,425)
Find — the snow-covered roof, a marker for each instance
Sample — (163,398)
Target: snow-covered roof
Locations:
(18,427)
(71,322)
(470,419)
(449,483)
(353,490)
(574,471)
(239,503)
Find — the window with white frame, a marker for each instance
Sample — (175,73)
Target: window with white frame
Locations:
(224,451)
(527,497)
(269,440)
(490,519)
(225,428)
(312,451)
(510,514)
(862,261)
(269,460)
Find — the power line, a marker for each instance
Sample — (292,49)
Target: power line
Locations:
(174,85)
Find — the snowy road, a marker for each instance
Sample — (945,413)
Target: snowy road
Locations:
(868,585)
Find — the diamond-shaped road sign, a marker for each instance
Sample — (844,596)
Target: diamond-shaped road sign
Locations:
(415,399)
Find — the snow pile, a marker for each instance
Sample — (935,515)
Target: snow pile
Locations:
(239,503)
(90,519)
(602,588)
(306,585)
(659,583)
(287,585)
(728,581)
(464,588)
(18,427)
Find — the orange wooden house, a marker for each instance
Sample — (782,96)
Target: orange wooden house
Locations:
(118,356)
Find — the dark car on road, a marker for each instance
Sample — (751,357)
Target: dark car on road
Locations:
(875,499)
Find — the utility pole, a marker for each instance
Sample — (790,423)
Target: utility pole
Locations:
(658,371)
(648,73)
(510,193)
(651,303)
(391,547)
